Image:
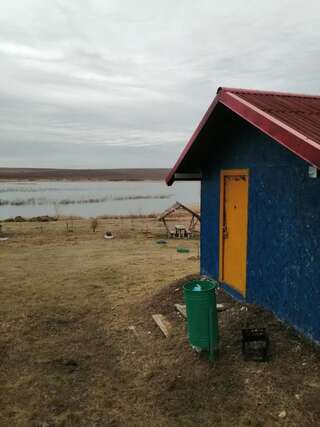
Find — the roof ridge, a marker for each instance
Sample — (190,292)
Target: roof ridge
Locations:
(266,92)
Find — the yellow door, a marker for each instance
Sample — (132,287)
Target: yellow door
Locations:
(233,228)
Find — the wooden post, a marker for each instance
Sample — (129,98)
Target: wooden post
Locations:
(165,224)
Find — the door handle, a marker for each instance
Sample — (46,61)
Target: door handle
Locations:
(225,232)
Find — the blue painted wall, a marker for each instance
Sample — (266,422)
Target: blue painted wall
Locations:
(283,260)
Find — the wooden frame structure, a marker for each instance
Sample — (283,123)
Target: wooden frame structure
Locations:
(195,218)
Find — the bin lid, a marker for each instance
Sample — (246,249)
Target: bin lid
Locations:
(200,285)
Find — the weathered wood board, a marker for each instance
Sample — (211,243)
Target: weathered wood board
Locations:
(163,324)
(181,309)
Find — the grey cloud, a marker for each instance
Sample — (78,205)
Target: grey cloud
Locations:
(111,84)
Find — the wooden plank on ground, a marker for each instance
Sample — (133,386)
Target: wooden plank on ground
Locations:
(163,324)
(181,308)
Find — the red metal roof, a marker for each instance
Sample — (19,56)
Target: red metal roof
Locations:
(293,120)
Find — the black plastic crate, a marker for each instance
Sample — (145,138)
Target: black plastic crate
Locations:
(255,344)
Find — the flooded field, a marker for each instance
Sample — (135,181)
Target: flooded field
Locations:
(90,199)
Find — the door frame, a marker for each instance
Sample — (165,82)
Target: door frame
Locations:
(223,174)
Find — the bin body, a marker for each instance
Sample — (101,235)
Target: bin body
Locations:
(202,319)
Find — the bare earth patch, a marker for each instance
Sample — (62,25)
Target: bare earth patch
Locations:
(69,358)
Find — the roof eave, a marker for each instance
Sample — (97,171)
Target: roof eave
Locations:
(170,176)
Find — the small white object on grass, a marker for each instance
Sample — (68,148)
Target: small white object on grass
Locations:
(133,329)
(282,414)
(108,235)
(221,307)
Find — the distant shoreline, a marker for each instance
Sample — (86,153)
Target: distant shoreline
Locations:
(44,174)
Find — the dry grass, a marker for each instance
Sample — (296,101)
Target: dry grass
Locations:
(67,357)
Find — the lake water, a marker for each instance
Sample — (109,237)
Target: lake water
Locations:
(90,199)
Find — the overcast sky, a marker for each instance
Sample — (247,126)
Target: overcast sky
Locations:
(115,83)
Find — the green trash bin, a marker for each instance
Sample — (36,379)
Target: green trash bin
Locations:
(202,318)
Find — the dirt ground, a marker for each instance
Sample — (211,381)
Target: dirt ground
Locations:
(67,357)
